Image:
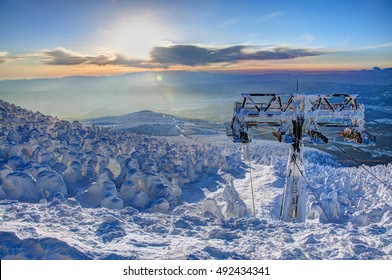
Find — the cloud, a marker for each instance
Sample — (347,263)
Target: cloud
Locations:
(64,56)
(229,22)
(3,57)
(191,55)
(272,15)
(370,47)
(164,57)
(309,38)
(125,61)
(7,57)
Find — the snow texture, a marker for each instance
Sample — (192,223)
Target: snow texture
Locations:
(71,191)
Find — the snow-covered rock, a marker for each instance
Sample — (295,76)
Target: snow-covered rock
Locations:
(111,201)
(50,182)
(21,186)
(73,177)
(92,196)
(233,206)
(160,205)
(209,205)
(2,193)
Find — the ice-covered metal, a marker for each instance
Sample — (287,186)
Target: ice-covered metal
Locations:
(298,117)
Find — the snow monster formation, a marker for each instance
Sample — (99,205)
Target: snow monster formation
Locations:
(42,157)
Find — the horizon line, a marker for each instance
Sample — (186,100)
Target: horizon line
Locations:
(211,71)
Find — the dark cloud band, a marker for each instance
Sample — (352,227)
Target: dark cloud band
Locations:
(62,56)
(194,56)
(188,55)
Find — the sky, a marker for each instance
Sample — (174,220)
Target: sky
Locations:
(40,39)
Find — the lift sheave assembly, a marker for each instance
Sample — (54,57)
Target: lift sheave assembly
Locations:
(298,119)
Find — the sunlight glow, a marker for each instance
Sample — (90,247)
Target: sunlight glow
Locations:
(159,78)
(136,35)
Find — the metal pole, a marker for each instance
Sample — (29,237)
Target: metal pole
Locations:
(251,182)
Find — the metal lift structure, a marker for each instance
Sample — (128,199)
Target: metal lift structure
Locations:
(298,119)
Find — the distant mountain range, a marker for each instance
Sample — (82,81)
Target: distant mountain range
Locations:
(176,92)
(375,76)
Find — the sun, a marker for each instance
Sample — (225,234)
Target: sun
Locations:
(136,36)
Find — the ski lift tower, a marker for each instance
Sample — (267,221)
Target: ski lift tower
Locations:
(298,118)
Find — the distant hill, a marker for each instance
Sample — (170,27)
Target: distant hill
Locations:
(150,123)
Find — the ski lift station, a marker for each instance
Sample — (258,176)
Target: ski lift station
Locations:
(298,119)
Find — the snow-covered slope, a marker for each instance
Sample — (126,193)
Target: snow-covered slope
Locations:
(157,124)
(71,191)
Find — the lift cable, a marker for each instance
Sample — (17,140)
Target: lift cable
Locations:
(314,194)
(359,164)
(281,208)
(251,181)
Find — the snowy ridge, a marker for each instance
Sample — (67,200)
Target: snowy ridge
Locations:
(155,124)
(143,122)
(79,192)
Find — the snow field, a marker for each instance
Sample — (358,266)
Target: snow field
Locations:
(70,191)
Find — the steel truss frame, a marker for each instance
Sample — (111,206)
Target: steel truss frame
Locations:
(291,113)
